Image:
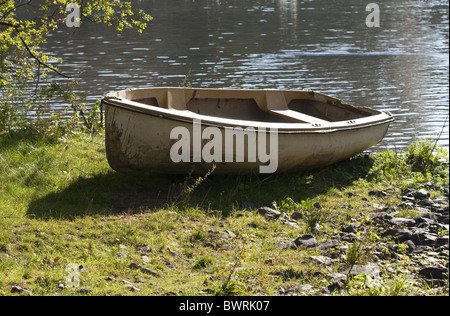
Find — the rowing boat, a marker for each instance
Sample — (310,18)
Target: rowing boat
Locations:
(181,130)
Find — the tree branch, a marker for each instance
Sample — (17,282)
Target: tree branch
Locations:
(40,62)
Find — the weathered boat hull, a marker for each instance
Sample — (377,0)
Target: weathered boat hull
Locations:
(138,139)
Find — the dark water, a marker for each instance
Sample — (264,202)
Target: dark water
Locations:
(325,45)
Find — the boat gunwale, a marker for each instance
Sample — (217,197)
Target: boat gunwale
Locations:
(188,117)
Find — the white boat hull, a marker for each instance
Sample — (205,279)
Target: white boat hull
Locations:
(138,140)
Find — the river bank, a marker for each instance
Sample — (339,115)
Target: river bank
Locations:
(372,225)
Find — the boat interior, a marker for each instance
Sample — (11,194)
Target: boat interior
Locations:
(280,106)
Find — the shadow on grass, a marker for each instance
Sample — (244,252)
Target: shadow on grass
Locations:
(114,193)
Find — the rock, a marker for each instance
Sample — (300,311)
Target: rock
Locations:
(306,240)
(421,194)
(378,193)
(297,215)
(442,240)
(433,272)
(423,237)
(350,229)
(19,289)
(370,269)
(380,215)
(422,249)
(423,222)
(324,260)
(316,227)
(443,219)
(425,214)
(411,246)
(229,233)
(210,245)
(120,254)
(142,269)
(291,223)
(330,244)
(144,250)
(130,285)
(406,204)
(333,287)
(337,276)
(446,191)
(268,212)
(349,237)
(400,221)
(416,194)
(302,289)
(400,235)
(84,291)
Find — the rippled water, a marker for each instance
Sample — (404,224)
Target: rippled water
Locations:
(325,45)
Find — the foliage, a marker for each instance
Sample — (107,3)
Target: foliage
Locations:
(421,162)
(24,83)
(425,156)
(312,215)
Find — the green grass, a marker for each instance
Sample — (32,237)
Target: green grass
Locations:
(61,204)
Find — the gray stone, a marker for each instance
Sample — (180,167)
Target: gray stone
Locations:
(142,269)
(297,215)
(349,237)
(324,260)
(423,237)
(380,215)
(19,289)
(399,234)
(370,269)
(401,221)
(421,194)
(423,222)
(350,229)
(416,194)
(84,291)
(299,289)
(411,246)
(330,244)
(432,272)
(337,276)
(306,240)
(268,212)
(442,240)
(210,245)
(333,287)
(378,193)
(443,219)
(290,223)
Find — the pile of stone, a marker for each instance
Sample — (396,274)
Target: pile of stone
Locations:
(422,241)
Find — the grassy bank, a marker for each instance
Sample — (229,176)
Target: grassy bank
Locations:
(61,206)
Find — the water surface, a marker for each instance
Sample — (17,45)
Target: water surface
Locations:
(325,45)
